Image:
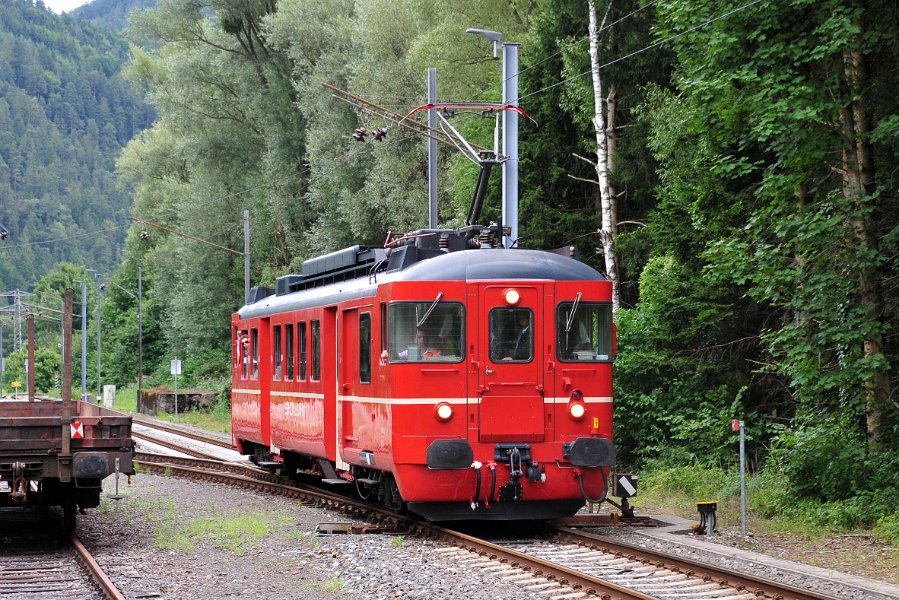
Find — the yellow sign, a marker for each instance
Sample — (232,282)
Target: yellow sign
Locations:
(16,383)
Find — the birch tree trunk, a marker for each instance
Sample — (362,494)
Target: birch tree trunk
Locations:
(607,211)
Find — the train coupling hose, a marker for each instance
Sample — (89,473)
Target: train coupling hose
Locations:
(476,465)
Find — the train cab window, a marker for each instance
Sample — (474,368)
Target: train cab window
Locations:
(288,347)
(511,334)
(316,351)
(254,335)
(279,358)
(426,331)
(365,348)
(584,331)
(301,336)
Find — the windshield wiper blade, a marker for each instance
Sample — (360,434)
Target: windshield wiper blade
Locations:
(430,310)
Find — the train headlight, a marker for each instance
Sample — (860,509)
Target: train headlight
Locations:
(443,412)
(576,407)
(512,296)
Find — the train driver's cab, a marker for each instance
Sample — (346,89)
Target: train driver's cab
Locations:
(426,331)
(584,331)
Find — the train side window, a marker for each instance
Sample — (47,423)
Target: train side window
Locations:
(383,328)
(288,339)
(511,334)
(365,348)
(244,351)
(584,332)
(254,335)
(426,331)
(279,359)
(301,334)
(316,351)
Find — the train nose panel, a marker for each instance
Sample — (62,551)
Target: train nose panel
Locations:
(511,419)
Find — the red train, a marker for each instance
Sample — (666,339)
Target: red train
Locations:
(459,382)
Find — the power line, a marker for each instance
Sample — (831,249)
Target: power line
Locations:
(641,50)
(62,239)
(571,45)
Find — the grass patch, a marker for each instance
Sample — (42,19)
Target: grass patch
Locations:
(217,419)
(125,399)
(233,533)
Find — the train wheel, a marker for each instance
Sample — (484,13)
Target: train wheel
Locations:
(392,498)
(362,477)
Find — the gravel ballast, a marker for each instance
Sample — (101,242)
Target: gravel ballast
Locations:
(181,540)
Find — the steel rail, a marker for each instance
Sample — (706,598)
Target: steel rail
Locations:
(246,470)
(256,479)
(757,585)
(179,431)
(173,446)
(96,572)
(538,567)
(581,582)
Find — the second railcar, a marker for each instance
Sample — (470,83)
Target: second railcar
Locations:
(461,383)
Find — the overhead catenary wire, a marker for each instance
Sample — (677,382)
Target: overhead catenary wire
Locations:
(570,45)
(644,49)
(62,239)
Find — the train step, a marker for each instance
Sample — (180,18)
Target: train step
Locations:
(369,481)
(337,481)
(269,464)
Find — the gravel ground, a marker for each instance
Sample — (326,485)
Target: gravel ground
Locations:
(171,538)
(719,553)
(175,539)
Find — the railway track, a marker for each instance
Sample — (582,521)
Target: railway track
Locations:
(200,437)
(570,564)
(39,561)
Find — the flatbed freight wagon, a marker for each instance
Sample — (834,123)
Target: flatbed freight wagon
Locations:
(57,453)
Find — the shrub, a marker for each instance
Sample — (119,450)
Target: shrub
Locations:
(887,528)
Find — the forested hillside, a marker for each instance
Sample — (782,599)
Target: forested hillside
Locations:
(110,13)
(65,113)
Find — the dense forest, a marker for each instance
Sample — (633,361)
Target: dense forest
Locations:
(750,151)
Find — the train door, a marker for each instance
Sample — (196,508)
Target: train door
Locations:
(333,378)
(354,378)
(262,370)
(510,358)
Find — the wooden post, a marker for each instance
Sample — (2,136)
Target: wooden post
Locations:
(67,372)
(30,319)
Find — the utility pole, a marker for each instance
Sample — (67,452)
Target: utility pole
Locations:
(99,329)
(83,341)
(246,256)
(510,143)
(510,131)
(432,149)
(140,336)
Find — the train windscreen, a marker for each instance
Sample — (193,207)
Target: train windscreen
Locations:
(427,331)
(584,331)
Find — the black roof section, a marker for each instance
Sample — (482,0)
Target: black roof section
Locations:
(422,255)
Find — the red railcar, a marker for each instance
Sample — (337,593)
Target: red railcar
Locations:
(462,383)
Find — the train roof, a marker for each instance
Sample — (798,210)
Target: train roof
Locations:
(339,277)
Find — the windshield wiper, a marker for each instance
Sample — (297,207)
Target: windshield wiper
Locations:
(568,323)
(431,309)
